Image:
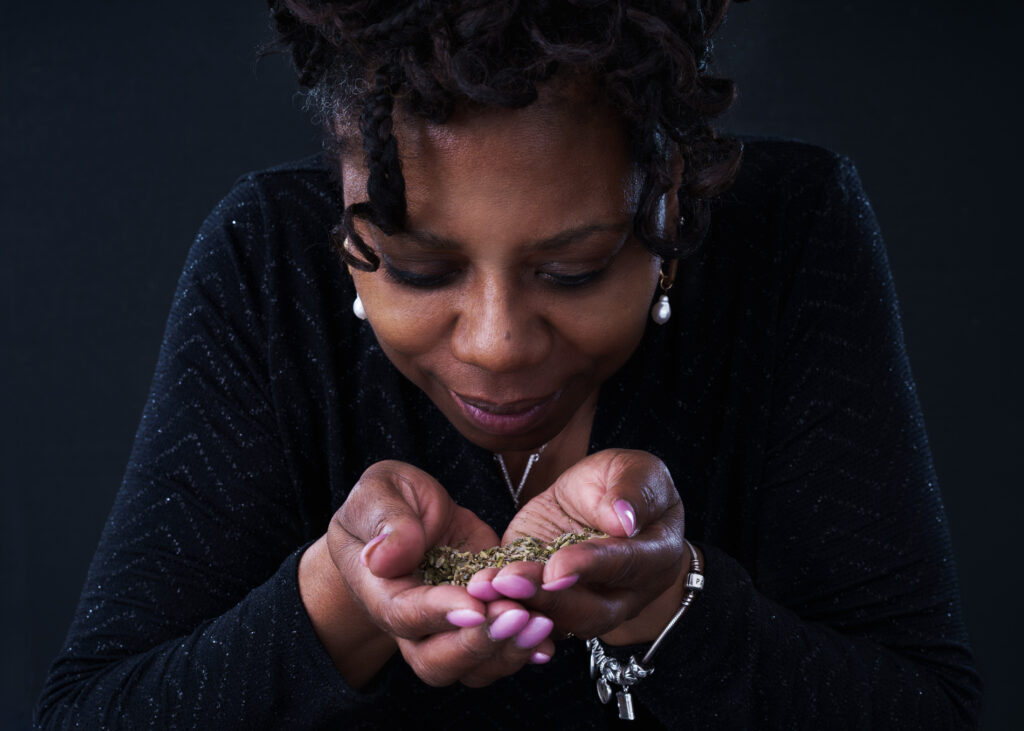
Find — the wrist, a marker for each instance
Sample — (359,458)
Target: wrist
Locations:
(357,646)
(609,671)
(648,624)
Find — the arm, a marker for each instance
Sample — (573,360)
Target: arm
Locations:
(846,611)
(217,597)
(191,615)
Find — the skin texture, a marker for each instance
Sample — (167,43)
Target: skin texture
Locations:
(509,211)
(500,183)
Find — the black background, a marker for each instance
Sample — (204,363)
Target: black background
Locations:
(124,123)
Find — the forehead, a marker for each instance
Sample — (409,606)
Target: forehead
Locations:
(542,136)
(562,161)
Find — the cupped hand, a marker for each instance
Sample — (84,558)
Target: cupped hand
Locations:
(377,540)
(624,587)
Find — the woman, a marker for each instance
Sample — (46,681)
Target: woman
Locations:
(554,299)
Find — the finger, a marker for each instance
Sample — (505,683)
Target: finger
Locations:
(535,632)
(543,652)
(519,580)
(585,609)
(446,657)
(467,531)
(515,636)
(618,491)
(396,511)
(522,581)
(652,558)
(479,585)
(611,580)
(519,649)
(420,611)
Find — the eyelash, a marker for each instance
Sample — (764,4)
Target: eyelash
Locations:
(419,281)
(575,280)
(436,281)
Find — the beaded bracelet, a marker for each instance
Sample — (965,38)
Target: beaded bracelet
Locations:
(607,670)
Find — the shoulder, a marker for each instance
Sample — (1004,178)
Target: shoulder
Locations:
(309,170)
(783,175)
(789,195)
(781,156)
(300,187)
(268,213)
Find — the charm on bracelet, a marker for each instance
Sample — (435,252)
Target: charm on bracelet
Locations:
(606,670)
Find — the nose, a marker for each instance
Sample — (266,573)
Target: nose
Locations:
(498,330)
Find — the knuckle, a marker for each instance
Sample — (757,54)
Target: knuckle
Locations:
(402,619)
(476,647)
(659,491)
(428,672)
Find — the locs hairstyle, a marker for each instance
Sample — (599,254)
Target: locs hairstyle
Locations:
(647,59)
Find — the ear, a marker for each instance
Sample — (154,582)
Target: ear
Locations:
(677,164)
(668,218)
(347,245)
(353,272)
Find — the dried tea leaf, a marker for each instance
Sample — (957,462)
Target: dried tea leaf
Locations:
(447,565)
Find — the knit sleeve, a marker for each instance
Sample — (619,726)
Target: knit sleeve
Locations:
(846,612)
(191,615)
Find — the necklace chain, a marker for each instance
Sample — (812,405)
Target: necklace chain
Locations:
(517,491)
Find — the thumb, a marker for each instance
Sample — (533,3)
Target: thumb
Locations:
(619,490)
(395,511)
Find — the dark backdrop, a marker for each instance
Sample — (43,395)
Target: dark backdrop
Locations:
(123,123)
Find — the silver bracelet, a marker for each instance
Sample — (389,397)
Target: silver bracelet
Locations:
(607,670)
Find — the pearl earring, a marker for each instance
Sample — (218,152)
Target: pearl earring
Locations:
(662,309)
(357,304)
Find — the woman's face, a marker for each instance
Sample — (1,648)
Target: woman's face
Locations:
(517,288)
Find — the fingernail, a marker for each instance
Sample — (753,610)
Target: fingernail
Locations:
(514,587)
(465,618)
(482,590)
(539,658)
(534,633)
(627,516)
(564,583)
(368,549)
(508,624)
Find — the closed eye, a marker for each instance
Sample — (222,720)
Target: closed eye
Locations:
(417,279)
(573,280)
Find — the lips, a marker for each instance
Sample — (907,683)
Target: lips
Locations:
(506,408)
(505,418)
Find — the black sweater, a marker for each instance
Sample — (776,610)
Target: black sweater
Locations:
(779,395)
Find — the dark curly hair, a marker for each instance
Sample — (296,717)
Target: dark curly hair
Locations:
(649,60)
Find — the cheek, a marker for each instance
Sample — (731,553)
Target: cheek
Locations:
(405,325)
(609,325)
(606,334)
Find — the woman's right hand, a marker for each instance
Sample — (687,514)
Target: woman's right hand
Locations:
(364,595)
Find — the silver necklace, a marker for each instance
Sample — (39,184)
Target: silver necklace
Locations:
(515,492)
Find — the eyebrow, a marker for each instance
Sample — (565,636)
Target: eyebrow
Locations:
(436,242)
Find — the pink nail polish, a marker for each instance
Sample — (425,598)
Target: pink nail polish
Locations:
(514,587)
(534,632)
(508,624)
(483,591)
(465,618)
(627,516)
(564,583)
(539,658)
(364,556)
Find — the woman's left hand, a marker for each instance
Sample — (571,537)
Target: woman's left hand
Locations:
(625,587)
